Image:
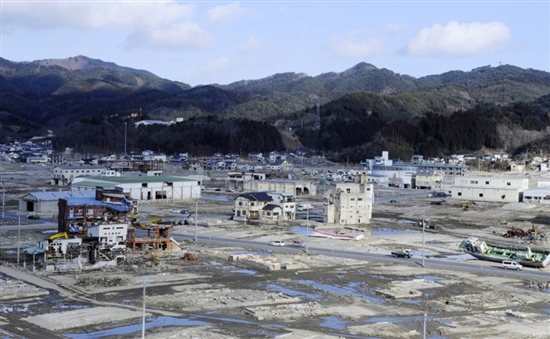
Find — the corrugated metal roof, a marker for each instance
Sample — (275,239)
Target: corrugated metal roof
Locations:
(60,195)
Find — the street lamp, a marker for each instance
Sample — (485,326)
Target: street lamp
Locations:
(145,282)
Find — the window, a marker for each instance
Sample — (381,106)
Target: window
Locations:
(144,185)
(348,190)
(459,194)
(79,212)
(90,212)
(486,183)
(352,199)
(240,203)
(359,199)
(481,195)
(473,182)
(251,204)
(508,184)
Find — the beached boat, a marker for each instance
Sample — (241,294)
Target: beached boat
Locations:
(538,258)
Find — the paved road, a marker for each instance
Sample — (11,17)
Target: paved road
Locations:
(472,266)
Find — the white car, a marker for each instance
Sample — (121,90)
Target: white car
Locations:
(513,265)
(280,243)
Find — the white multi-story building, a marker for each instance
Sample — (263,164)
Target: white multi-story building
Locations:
(65,174)
(498,189)
(350,203)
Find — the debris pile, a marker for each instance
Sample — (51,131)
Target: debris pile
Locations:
(101,282)
(518,233)
(189,256)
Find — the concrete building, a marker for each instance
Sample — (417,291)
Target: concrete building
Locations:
(539,196)
(387,167)
(350,203)
(498,189)
(235,180)
(65,174)
(147,188)
(428,179)
(295,187)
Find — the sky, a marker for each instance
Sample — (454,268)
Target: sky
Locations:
(207,42)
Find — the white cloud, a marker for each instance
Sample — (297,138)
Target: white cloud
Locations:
(396,29)
(234,11)
(251,45)
(459,39)
(187,35)
(355,44)
(94,15)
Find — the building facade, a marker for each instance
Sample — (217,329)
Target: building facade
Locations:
(350,203)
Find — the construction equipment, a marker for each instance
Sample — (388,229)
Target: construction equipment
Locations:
(59,235)
(154,221)
(466,205)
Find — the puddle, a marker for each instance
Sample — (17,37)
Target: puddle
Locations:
(334,322)
(410,301)
(302,230)
(293,293)
(262,254)
(390,231)
(348,290)
(247,272)
(149,324)
(433,278)
(238,321)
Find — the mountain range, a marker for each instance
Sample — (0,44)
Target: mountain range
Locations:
(334,111)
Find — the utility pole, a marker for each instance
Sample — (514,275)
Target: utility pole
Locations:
(3,195)
(196,216)
(423,228)
(18,235)
(307,232)
(125,132)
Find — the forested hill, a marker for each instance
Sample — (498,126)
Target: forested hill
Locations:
(357,107)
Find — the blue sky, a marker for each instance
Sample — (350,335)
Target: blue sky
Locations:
(205,42)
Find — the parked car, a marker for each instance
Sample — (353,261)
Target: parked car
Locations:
(280,243)
(513,265)
(298,243)
(439,194)
(176,210)
(33,216)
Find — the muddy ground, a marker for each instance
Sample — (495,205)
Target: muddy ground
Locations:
(325,296)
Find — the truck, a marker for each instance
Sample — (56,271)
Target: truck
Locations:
(402,253)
